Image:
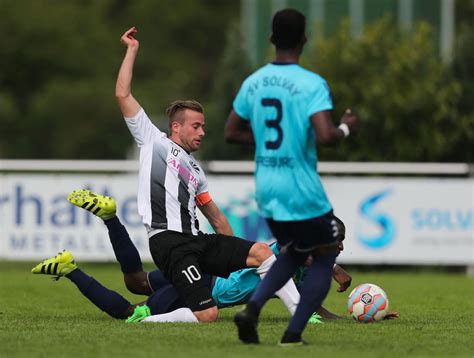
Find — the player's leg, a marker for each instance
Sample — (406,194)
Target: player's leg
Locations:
(164,305)
(177,255)
(282,271)
(194,287)
(323,248)
(279,274)
(313,292)
(287,291)
(229,253)
(104,207)
(193,303)
(321,313)
(107,300)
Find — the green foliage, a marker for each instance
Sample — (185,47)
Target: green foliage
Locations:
(232,69)
(406,99)
(60,60)
(463,66)
(40,317)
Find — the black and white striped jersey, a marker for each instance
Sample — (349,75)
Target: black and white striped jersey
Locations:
(169,180)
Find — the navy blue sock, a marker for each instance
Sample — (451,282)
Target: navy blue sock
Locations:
(107,300)
(125,251)
(157,280)
(279,274)
(313,292)
(165,300)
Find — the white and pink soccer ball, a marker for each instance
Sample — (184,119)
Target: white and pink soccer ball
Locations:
(367,303)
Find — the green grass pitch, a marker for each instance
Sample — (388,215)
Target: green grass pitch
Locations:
(42,318)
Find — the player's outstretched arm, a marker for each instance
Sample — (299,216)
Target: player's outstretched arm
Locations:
(342,278)
(216,218)
(327,133)
(237,130)
(123,88)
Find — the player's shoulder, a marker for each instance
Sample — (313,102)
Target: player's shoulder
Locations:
(256,75)
(196,166)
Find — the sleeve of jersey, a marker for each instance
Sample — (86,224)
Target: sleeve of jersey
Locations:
(321,99)
(240,103)
(142,129)
(202,192)
(203,198)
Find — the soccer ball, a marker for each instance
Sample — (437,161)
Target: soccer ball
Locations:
(367,303)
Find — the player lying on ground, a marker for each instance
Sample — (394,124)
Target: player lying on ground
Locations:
(163,298)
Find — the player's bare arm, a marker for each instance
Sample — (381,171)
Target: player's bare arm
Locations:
(342,278)
(237,130)
(327,133)
(216,218)
(123,88)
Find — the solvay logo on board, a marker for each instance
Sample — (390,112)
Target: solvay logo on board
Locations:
(384,227)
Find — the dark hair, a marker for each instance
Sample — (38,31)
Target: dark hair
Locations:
(288,29)
(176,107)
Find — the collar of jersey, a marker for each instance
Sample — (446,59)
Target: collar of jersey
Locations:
(284,63)
(179,146)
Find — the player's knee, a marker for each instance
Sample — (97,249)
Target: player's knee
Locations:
(137,283)
(207,315)
(260,252)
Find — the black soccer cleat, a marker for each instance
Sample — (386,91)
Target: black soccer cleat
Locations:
(247,327)
(291,339)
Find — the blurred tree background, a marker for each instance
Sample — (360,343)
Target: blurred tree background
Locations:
(60,60)
(406,98)
(59,63)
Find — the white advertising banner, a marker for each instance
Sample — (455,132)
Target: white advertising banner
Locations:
(388,220)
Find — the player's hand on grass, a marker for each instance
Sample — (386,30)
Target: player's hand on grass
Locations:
(342,278)
(128,38)
(392,315)
(351,120)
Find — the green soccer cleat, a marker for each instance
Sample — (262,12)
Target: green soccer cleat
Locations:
(139,314)
(315,319)
(59,266)
(102,206)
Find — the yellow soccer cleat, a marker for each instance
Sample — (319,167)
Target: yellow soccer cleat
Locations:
(102,206)
(60,265)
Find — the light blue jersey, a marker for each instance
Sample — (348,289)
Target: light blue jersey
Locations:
(238,287)
(279,100)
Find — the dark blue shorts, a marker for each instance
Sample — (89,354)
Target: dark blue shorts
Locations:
(306,235)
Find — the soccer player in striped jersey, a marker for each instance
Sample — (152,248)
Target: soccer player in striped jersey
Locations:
(285,110)
(171,185)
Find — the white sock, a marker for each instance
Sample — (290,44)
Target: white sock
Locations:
(265,266)
(179,315)
(288,293)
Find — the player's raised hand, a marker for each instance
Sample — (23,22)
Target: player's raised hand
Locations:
(350,120)
(128,38)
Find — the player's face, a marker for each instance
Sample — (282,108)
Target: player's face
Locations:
(191,131)
(340,245)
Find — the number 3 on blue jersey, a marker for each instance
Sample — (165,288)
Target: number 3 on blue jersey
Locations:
(274,123)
